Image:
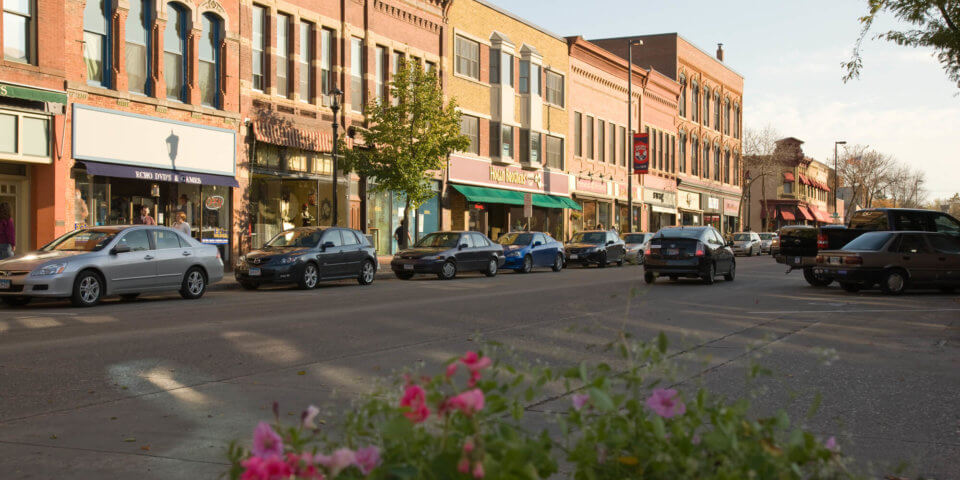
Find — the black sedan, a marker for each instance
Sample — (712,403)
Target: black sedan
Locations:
(693,252)
(598,247)
(447,253)
(308,255)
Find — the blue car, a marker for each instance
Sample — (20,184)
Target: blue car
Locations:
(526,250)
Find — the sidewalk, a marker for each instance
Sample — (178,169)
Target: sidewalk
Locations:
(229,282)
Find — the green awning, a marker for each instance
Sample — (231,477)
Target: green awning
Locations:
(569,203)
(490,195)
(547,201)
(35,94)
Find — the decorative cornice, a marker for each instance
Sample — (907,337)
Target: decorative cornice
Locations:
(407,16)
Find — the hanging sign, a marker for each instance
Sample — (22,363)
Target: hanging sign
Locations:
(641,158)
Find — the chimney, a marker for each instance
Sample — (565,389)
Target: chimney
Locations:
(720,52)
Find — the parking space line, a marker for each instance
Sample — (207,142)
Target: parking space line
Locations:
(885,310)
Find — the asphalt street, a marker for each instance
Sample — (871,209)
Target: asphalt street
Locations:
(156,388)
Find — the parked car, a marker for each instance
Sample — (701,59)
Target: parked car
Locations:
(448,253)
(689,252)
(766,241)
(600,247)
(308,255)
(89,264)
(636,244)
(799,244)
(525,250)
(775,244)
(895,261)
(747,243)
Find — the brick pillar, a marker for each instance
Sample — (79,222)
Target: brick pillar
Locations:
(228,82)
(119,48)
(318,53)
(294,68)
(193,66)
(158,87)
(270,59)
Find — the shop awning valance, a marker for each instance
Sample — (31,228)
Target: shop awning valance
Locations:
(568,202)
(804,213)
(35,94)
(787,215)
(290,136)
(156,174)
(788,177)
(490,195)
(554,201)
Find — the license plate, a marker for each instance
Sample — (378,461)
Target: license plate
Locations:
(4,284)
(573,256)
(408,267)
(254,271)
(796,260)
(842,272)
(673,252)
(833,260)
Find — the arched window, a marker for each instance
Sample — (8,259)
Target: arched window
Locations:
(174,47)
(706,106)
(138,45)
(96,41)
(694,155)
(716,110)
(726,116)
(682,151)
(726,165)
(706,155)
(736,168)
(695,101)
(210,60)
(716,162)
(683,97)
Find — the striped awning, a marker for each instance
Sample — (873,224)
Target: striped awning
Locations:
(314,140)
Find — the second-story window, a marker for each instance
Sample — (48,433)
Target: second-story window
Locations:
(536,80)
(726,117)
(524,86)
(306,62)
(590,137)
(716,162)
(174,46)
(622,151)
(726,166)
(495,66)
(612,134)
(736,121)
(381,73)
(470,126)
(578,134)
(694,155)
(706,159)
(283,55)
(396,65)
(19,31)
(506,141)
(259,46)
(682,107)
(210,60)
(356,74)
(327,52)
(736,168)
(695,102)
(601,141)
(554,88)
(506,69)
(706,106)
(716,111)
(137,45)
(96,44)
(682,152)
(554,154)
(468,58)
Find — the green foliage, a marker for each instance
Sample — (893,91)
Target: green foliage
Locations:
(409,137)
(937,25)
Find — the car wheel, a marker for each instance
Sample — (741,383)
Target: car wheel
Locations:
(732,274)
(641,259)
(649,277)
(527,265)
(127,297)
(16,301)
(194,284)
(603,260)
(367,273)
(620,261)
(894,282)
(710,274)
(815,279)
(850,287)
(491,270)
(87,289)
(448,270)
(309,276)
(403,275)
(247,285)
(558,263)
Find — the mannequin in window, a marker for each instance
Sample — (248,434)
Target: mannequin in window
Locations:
(306,219)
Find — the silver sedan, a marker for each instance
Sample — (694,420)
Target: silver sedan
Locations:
(88,264)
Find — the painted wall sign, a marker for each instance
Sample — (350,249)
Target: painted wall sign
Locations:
(473,171)
(515,177)
(659,197)
(641,159)
(688,200)
(731,206)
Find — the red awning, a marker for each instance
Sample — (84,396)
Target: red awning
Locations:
(290,136)
(787,215)
(804,213)
(821,215)
(788,177)
(804,180)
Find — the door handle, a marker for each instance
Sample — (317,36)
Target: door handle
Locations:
(186,254)
(148,257)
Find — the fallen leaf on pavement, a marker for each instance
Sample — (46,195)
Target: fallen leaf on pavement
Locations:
(145,447)
(302,372)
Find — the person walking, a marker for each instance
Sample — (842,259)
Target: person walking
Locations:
(145,218)
(8,233)
(402,235)
(181,224)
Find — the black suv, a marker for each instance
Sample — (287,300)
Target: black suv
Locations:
(308,255)
(696,252)
(601,247)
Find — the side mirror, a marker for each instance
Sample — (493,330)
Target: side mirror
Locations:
(537,244)
(120,248)
(462,246)
(730,243)
(326,245)
(610,242)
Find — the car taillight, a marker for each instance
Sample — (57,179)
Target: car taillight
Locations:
(646,251)
(700,251)
(853,260)
(822,242)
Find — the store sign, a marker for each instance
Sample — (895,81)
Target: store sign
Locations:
(109,136)
(688,200)
(218,236)
(658,197)
(591,186)
(515,177)
(710,203)
(730,206)
(474,171)
(213,202)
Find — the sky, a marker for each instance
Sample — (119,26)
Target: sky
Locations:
(789,53)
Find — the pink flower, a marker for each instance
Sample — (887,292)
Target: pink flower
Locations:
(478,470)
(266,442)
(309,416)
(468,446)
(831,444)
(474,363)
(367,459)
(468,402)
(452,369)
(415,400)
(579,400)
(464,465)
(664,402)
(695,440)
(339,460)
(269,468)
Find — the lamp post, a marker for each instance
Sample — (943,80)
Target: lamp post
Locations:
(836,173)
(630,44)
(337,95)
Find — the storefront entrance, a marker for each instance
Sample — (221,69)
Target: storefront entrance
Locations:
(14,184)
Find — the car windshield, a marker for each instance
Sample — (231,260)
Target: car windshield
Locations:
(635,238)
(766,236)
(741,237)
(439,239)
(871,241)
(87,240)
(296,238)
(589,237)
(680,233)
(516,239)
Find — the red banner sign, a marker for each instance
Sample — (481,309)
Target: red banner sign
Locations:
(641,153)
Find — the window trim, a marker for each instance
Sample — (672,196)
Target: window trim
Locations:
(283,54)
(306,65)
(149,14)
(262,50)
(562,93)
(19,155)
(474,147)
(185,26)
(457,39)
(217,22)
(30,42)
(106,52)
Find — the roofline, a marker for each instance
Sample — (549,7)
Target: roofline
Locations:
(694,45)
(521,20)
(611,58)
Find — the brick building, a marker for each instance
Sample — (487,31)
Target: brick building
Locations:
(708,123)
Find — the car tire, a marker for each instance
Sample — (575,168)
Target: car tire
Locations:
(620,262)
(309,277)
(403,275)
(248,285)
(87,289)
(16,301)
(649,277)
(815,280)
(194,284)
(641,259)
(894,282)
(850,287)
(557,263)
(368,273)
(732,274)
(603,260)
(711,274)
(527,265)
(491,270)
(129,297)
(448,271)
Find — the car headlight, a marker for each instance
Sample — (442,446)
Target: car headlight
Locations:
(242,260)
(289,260)
(515,253)
(432,257)
(50,269)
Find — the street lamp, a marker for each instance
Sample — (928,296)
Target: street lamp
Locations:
(836,173)
(630,44)
(337,95)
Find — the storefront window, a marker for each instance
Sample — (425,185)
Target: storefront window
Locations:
(603,215)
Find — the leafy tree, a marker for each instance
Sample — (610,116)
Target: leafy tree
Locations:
(760,163)
(409,137)
(937,25)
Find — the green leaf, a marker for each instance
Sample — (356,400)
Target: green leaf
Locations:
(600,399)
(583,372)
(662,342)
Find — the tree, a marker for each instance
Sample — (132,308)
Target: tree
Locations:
(867,173)
(937,25)
(759,161)
(409,138)
(905,187)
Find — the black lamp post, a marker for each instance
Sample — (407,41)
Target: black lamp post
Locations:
(337,95)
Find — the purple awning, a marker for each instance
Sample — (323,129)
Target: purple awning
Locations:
(157,174)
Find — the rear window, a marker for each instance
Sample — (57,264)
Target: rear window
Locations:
(635,238)
(741,237)
(766,236)
(871,241)
(680,233)
(945,244)
(870,220)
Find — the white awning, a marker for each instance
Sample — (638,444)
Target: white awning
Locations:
(659,209)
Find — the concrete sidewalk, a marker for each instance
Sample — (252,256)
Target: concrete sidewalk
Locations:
(229,282)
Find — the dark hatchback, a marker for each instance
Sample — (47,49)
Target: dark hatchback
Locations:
(308,255)
(598,247)
(448,253)
(690,252)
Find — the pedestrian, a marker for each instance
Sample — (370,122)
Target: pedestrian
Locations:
(599,226)
(181,223)
(145,218)
(402,235)
(8,233)
(186,207)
